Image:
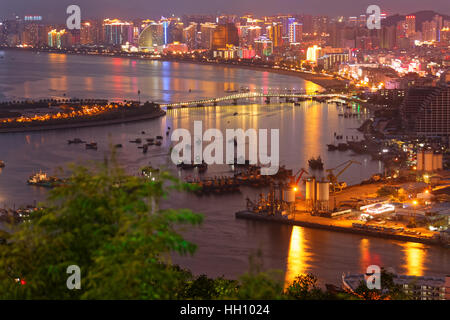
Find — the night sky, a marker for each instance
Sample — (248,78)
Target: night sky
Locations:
(54,10)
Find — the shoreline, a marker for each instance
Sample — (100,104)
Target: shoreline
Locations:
(91,123)
(259,217)
(323,81)
(320,80)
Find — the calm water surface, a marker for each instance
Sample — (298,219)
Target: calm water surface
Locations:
(224,243)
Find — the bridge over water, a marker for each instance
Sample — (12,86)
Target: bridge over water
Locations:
(289,96)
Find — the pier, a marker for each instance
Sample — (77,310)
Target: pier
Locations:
(304,220)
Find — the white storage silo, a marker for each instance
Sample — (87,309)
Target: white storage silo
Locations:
(323,191)
(289,195)
(428,161)
(437,161)
(420,166)
(310,189)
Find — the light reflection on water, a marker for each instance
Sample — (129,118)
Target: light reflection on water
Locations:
(299,258)
(414,258)
(224,243)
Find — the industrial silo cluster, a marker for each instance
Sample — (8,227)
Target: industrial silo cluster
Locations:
(317,194)
(429,161)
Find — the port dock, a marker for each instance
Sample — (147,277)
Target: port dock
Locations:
(305,220)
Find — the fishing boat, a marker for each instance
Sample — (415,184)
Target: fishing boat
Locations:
(186,166)
(92,145)
(331,147)
(75,141)
(316,163)
(41,179)
(202,167)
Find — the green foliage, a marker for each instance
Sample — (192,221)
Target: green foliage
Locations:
(110,225)
(304,287)
(259,284)
(207,289)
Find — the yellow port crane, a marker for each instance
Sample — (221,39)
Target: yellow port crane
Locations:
(336,186)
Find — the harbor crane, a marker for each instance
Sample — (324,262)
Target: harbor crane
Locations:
(295,179)
(336,186)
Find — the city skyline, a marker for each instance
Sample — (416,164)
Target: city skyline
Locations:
(141,9)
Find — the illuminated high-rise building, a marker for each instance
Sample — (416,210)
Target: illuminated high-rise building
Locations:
(439,24)
(410,26)
(89,33)
(313,53)
(362,21)
(206,35)
(388,37)
(275,33)
(426,111)
(30,35)
(56,39)
(225,35)
(429,31)
(352,21)
(319,25)
(263,46)
(175,31)
(253,33)
(151,37)
(165,26)
(190,35)
(295,32)
(117,32)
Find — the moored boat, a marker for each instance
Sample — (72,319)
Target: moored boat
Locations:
(342,147)
(202,167)
(41,179)
(138,140)
(331,147)
(316,163)
(186,166)
(92,145)
(75,141)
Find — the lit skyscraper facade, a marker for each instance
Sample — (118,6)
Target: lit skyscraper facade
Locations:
(295,32)
(117,32)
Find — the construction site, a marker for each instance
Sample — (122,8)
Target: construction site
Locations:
(408,205)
